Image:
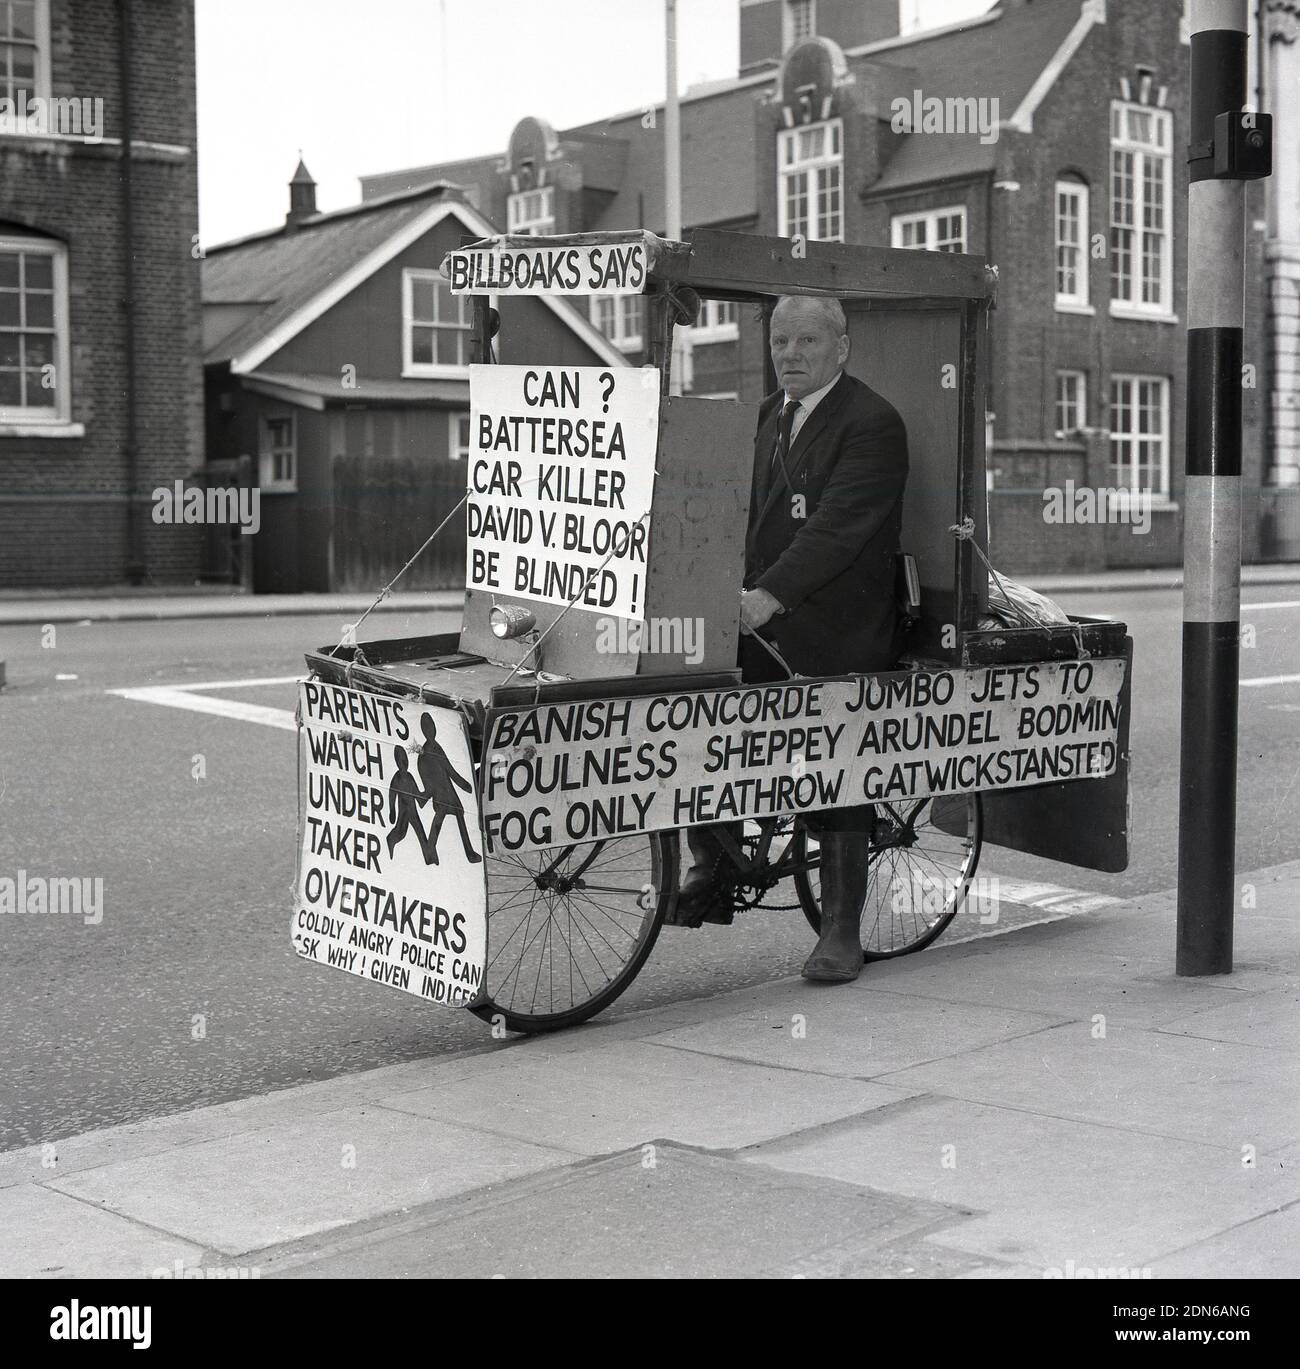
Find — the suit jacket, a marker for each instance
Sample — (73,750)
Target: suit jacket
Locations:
(833,568)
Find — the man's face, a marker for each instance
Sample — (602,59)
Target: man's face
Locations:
(806,351)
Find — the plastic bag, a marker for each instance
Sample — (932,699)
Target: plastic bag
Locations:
(1016,605)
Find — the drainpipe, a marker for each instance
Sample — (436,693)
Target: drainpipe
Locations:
(136,569)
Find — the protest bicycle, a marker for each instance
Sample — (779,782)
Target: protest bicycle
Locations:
(494,818)
(571,926)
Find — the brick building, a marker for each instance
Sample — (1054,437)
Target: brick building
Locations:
(100,378)
(336,359)
(1045,135)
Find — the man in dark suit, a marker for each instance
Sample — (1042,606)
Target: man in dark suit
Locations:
(830,464)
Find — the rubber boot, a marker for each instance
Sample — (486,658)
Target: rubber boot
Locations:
(701,887)
(845,867)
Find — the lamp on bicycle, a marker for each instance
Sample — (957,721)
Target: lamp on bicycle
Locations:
(511,621)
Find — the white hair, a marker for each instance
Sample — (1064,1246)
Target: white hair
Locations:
(831,310)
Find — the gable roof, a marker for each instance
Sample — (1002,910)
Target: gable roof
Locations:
(298,273)
(1013,52)
(1005,58)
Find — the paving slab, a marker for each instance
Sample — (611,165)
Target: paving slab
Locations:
(49,1235)
(856,1032)
(1002,1271)
(108,1145)
(1215,1092)
(1122,990)
(685,1215)
(1051,1191)
(295,1179)
(621,1095)
(1270,1021)
(1146,929)
(1266,1247)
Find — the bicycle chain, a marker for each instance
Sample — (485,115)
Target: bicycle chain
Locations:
(743,903)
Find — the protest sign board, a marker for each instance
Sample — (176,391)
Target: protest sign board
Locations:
(561,479)
(568,772)
(390,872)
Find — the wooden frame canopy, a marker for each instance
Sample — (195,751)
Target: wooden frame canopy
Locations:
(728,264)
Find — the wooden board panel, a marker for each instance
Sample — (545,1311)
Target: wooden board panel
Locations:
(1084,822)
(750,262)
(901,355)
(697,542)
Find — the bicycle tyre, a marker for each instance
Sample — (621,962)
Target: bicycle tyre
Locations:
(904,933)
(501,1000)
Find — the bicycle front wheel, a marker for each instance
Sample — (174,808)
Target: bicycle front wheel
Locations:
(923,858)
(569,927)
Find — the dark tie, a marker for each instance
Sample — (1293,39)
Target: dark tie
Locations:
(783,429)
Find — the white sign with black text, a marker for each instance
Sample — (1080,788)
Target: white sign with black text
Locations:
(583,771)
(561,478)
(599,269)
(390,870)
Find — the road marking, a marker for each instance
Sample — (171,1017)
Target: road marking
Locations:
(1057,902)
(185,696)
(1052,896)
(229,684)
(1269,680)
(1277,603)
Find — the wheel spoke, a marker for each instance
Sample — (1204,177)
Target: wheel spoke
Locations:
(567,927)
(918,876)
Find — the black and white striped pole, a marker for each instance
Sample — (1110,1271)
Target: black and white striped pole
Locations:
(1227,147)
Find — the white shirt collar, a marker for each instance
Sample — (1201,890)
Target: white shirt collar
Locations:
(809,402)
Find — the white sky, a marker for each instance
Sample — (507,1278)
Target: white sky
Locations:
(361,88)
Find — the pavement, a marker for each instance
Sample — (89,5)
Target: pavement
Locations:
(1047,1102)
(124,604)
(121,604)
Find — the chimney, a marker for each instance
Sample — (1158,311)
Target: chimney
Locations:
(769,28)
(302,195)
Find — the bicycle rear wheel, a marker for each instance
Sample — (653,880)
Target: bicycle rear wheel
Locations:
(923,857)
(569,927)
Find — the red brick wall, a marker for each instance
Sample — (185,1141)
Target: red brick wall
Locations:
(63,501)
(1032,340)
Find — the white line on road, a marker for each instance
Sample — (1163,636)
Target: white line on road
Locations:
(1051,896)
(1269,680)
(170,696)
(1055,900)
(227,684)
(1277,603)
